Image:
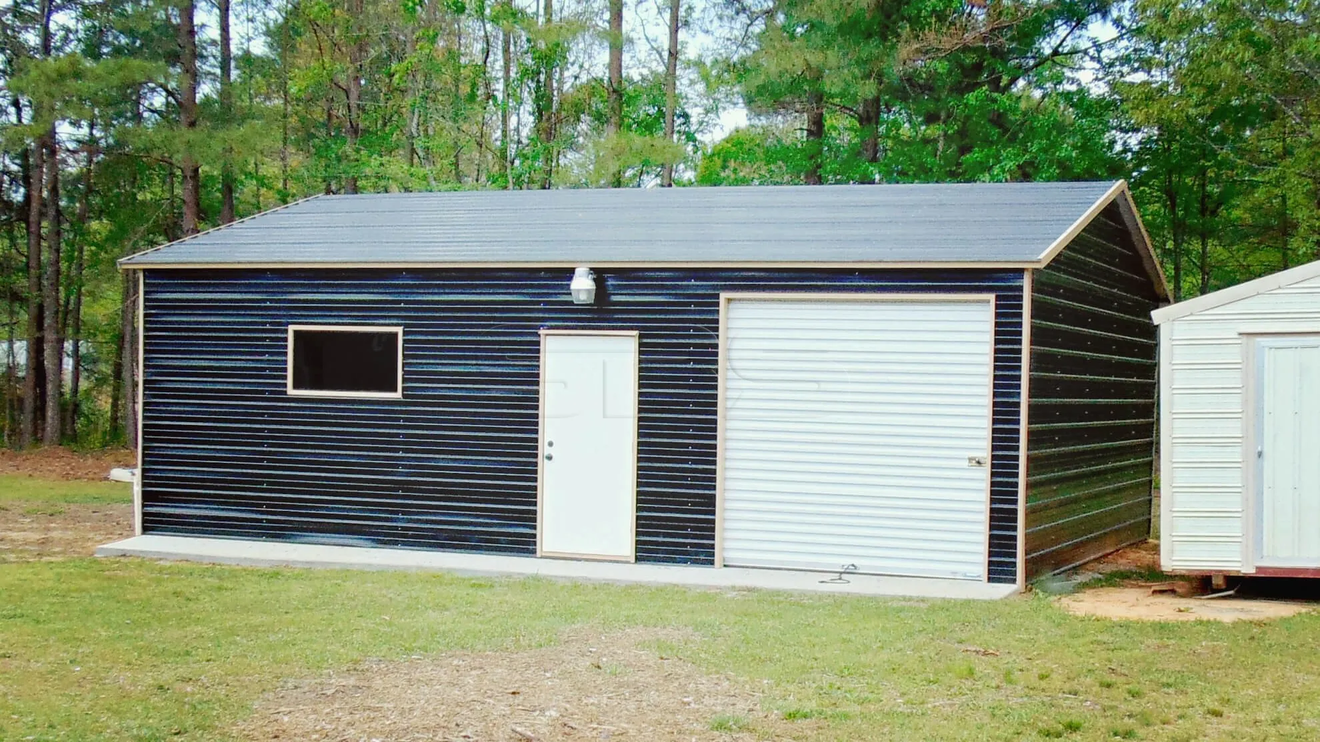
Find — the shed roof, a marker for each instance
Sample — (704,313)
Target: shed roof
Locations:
(1224,297)
(983,224)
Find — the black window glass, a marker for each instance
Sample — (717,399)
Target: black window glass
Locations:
(346,361)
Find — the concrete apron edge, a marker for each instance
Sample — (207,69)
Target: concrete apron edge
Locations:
(283,554)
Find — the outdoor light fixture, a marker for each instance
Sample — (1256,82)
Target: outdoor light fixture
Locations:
(583,286)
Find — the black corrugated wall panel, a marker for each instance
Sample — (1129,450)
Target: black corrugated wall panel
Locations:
(1091,409)
(452,465)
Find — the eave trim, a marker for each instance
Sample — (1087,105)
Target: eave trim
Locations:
(435,265)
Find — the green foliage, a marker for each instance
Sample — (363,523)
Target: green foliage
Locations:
(1208,107)
(1221,97)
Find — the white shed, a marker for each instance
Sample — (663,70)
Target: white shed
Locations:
(1240,429)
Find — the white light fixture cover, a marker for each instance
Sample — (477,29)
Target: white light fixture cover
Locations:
(583,286)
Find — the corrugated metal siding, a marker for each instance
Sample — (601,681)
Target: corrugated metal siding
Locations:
(453,464)
(1091,414)
(1203,526)
(936,222)
(848,429)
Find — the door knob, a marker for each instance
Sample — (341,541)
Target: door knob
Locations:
(549,456)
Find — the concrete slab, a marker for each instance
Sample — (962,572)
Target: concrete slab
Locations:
(273,553)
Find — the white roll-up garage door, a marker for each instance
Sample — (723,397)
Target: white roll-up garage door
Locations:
(856,432)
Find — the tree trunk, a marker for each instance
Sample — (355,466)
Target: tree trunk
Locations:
(117,367)
(1203,230)
(1285,260)
(52,340)
(457,94)
(357,54)
(34,375)
(11,321)
(226,112)
(487,95)
(129,354)
(545,101)
(614,126)
(815,137)
(413,126)
(31,386)
(171,225)
(74,317)
(1175,232)
(506,52)
(11,355)
(284,107)
(192,175)
(671,89)
(54,344)
(868,121)
(330,132)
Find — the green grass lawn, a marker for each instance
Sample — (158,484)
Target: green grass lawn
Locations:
(131,650)
(15,488)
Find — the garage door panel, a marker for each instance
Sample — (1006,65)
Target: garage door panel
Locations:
(767,440)
(813,476)
(843,463)
(848,429)
(761,397)
(905,558)
(917,369)
(907,522)
(843,429)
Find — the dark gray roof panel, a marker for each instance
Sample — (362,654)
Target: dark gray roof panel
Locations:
(937,223)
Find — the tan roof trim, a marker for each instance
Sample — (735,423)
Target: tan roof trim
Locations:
(1119,191)
(1128,206)
(593,264)
(1239,292)
(249,217)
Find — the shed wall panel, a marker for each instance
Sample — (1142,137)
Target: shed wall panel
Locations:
(452,465)
(1205,522)
(1091,409)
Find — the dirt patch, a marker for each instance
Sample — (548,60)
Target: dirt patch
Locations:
(1143,557)
(61,463)
(34,531)
(587,687)
(1140,603)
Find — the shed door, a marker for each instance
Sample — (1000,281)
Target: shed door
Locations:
(857,433)
(1288,453)
(589,445)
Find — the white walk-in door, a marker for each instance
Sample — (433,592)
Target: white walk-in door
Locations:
(856,432)
(588,445)
(1288,452)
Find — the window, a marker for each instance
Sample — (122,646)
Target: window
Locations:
(343,361)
